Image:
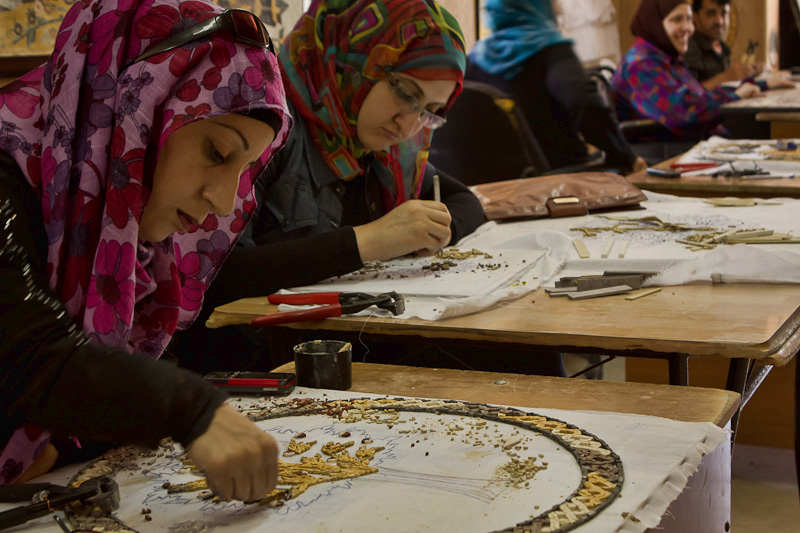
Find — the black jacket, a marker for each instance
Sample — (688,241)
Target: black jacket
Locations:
(52,376)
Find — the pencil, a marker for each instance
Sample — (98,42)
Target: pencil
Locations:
(437,194)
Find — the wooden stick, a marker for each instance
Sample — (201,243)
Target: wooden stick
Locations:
(437,194)
(623,249)
(607,249)
(723,237)
(643,294)
(747,234)
(764,240)
(583,251)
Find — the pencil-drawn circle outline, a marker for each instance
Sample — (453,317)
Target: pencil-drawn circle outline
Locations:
(324,406)
(457,408)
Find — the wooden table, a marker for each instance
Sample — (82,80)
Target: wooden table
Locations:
(703,504)
(707,186)
(782,125)
(747,323)
(779,107)
(774,101)
(685,404)
(739,321)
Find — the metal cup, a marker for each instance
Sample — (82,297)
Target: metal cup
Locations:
(324,364)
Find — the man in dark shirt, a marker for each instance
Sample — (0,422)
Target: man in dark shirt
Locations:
(709,57)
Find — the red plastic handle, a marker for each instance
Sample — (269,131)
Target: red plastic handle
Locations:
(687,167)
(305,298)
(304,315)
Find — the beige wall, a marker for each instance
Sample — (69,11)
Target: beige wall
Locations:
(754,19)
(464,12)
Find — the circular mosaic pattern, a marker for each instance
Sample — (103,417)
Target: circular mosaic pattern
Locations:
(601,471)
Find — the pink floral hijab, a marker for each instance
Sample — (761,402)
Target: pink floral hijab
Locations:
(87,135)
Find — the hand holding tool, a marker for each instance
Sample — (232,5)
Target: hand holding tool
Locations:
(45,498)
(333,304)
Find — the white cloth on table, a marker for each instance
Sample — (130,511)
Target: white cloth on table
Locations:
(652,251)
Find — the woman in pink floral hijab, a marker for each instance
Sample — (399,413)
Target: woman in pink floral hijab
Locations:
(135,178)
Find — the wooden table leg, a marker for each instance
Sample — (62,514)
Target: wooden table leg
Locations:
(679,369)
(737,382)
(797,422)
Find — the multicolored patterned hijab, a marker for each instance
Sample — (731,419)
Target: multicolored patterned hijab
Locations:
(341,48)
(648,23)
(520,30)
(87,136)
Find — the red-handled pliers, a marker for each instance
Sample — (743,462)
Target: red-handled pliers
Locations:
(691,167)
(333,304)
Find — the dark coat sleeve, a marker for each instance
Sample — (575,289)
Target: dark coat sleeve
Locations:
(305,260)
(52,376)
(268,267)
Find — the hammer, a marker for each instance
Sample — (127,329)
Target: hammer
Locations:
(101,492)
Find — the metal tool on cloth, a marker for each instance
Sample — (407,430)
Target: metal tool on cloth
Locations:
(333,304)
(45,498)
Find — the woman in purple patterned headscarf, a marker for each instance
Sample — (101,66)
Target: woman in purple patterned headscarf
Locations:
(654,82)
(124,184)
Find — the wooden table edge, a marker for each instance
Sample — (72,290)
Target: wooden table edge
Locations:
(547,393)
(777,350)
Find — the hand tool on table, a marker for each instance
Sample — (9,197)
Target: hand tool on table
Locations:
(691,167)
(769,176)
(45,498)
(663,173)
(331,304)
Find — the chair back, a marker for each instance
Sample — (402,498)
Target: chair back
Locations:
(486,138)
(636,131)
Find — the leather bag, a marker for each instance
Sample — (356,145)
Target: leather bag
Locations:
(559,195)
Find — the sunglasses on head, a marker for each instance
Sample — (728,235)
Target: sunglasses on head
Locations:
(243,25)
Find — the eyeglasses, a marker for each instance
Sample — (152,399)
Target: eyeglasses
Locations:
(243,25)
(410,104)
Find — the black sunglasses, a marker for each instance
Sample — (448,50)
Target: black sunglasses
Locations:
(243,25)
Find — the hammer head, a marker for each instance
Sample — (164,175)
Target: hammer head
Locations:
(106,496)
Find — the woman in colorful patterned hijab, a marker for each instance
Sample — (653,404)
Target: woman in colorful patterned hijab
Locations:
(136,179)
(368,82)
(337,53)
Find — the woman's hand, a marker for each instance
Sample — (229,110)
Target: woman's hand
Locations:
(640,165)
(748,90)
(239,460)
(780,83)
(421,226)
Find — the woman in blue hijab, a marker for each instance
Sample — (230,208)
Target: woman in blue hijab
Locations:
(530,60)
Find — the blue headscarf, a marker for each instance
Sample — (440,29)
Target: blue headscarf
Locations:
(520,30)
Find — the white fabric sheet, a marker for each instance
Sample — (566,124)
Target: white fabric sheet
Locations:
(704,152)
(658,456)
(647,251)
